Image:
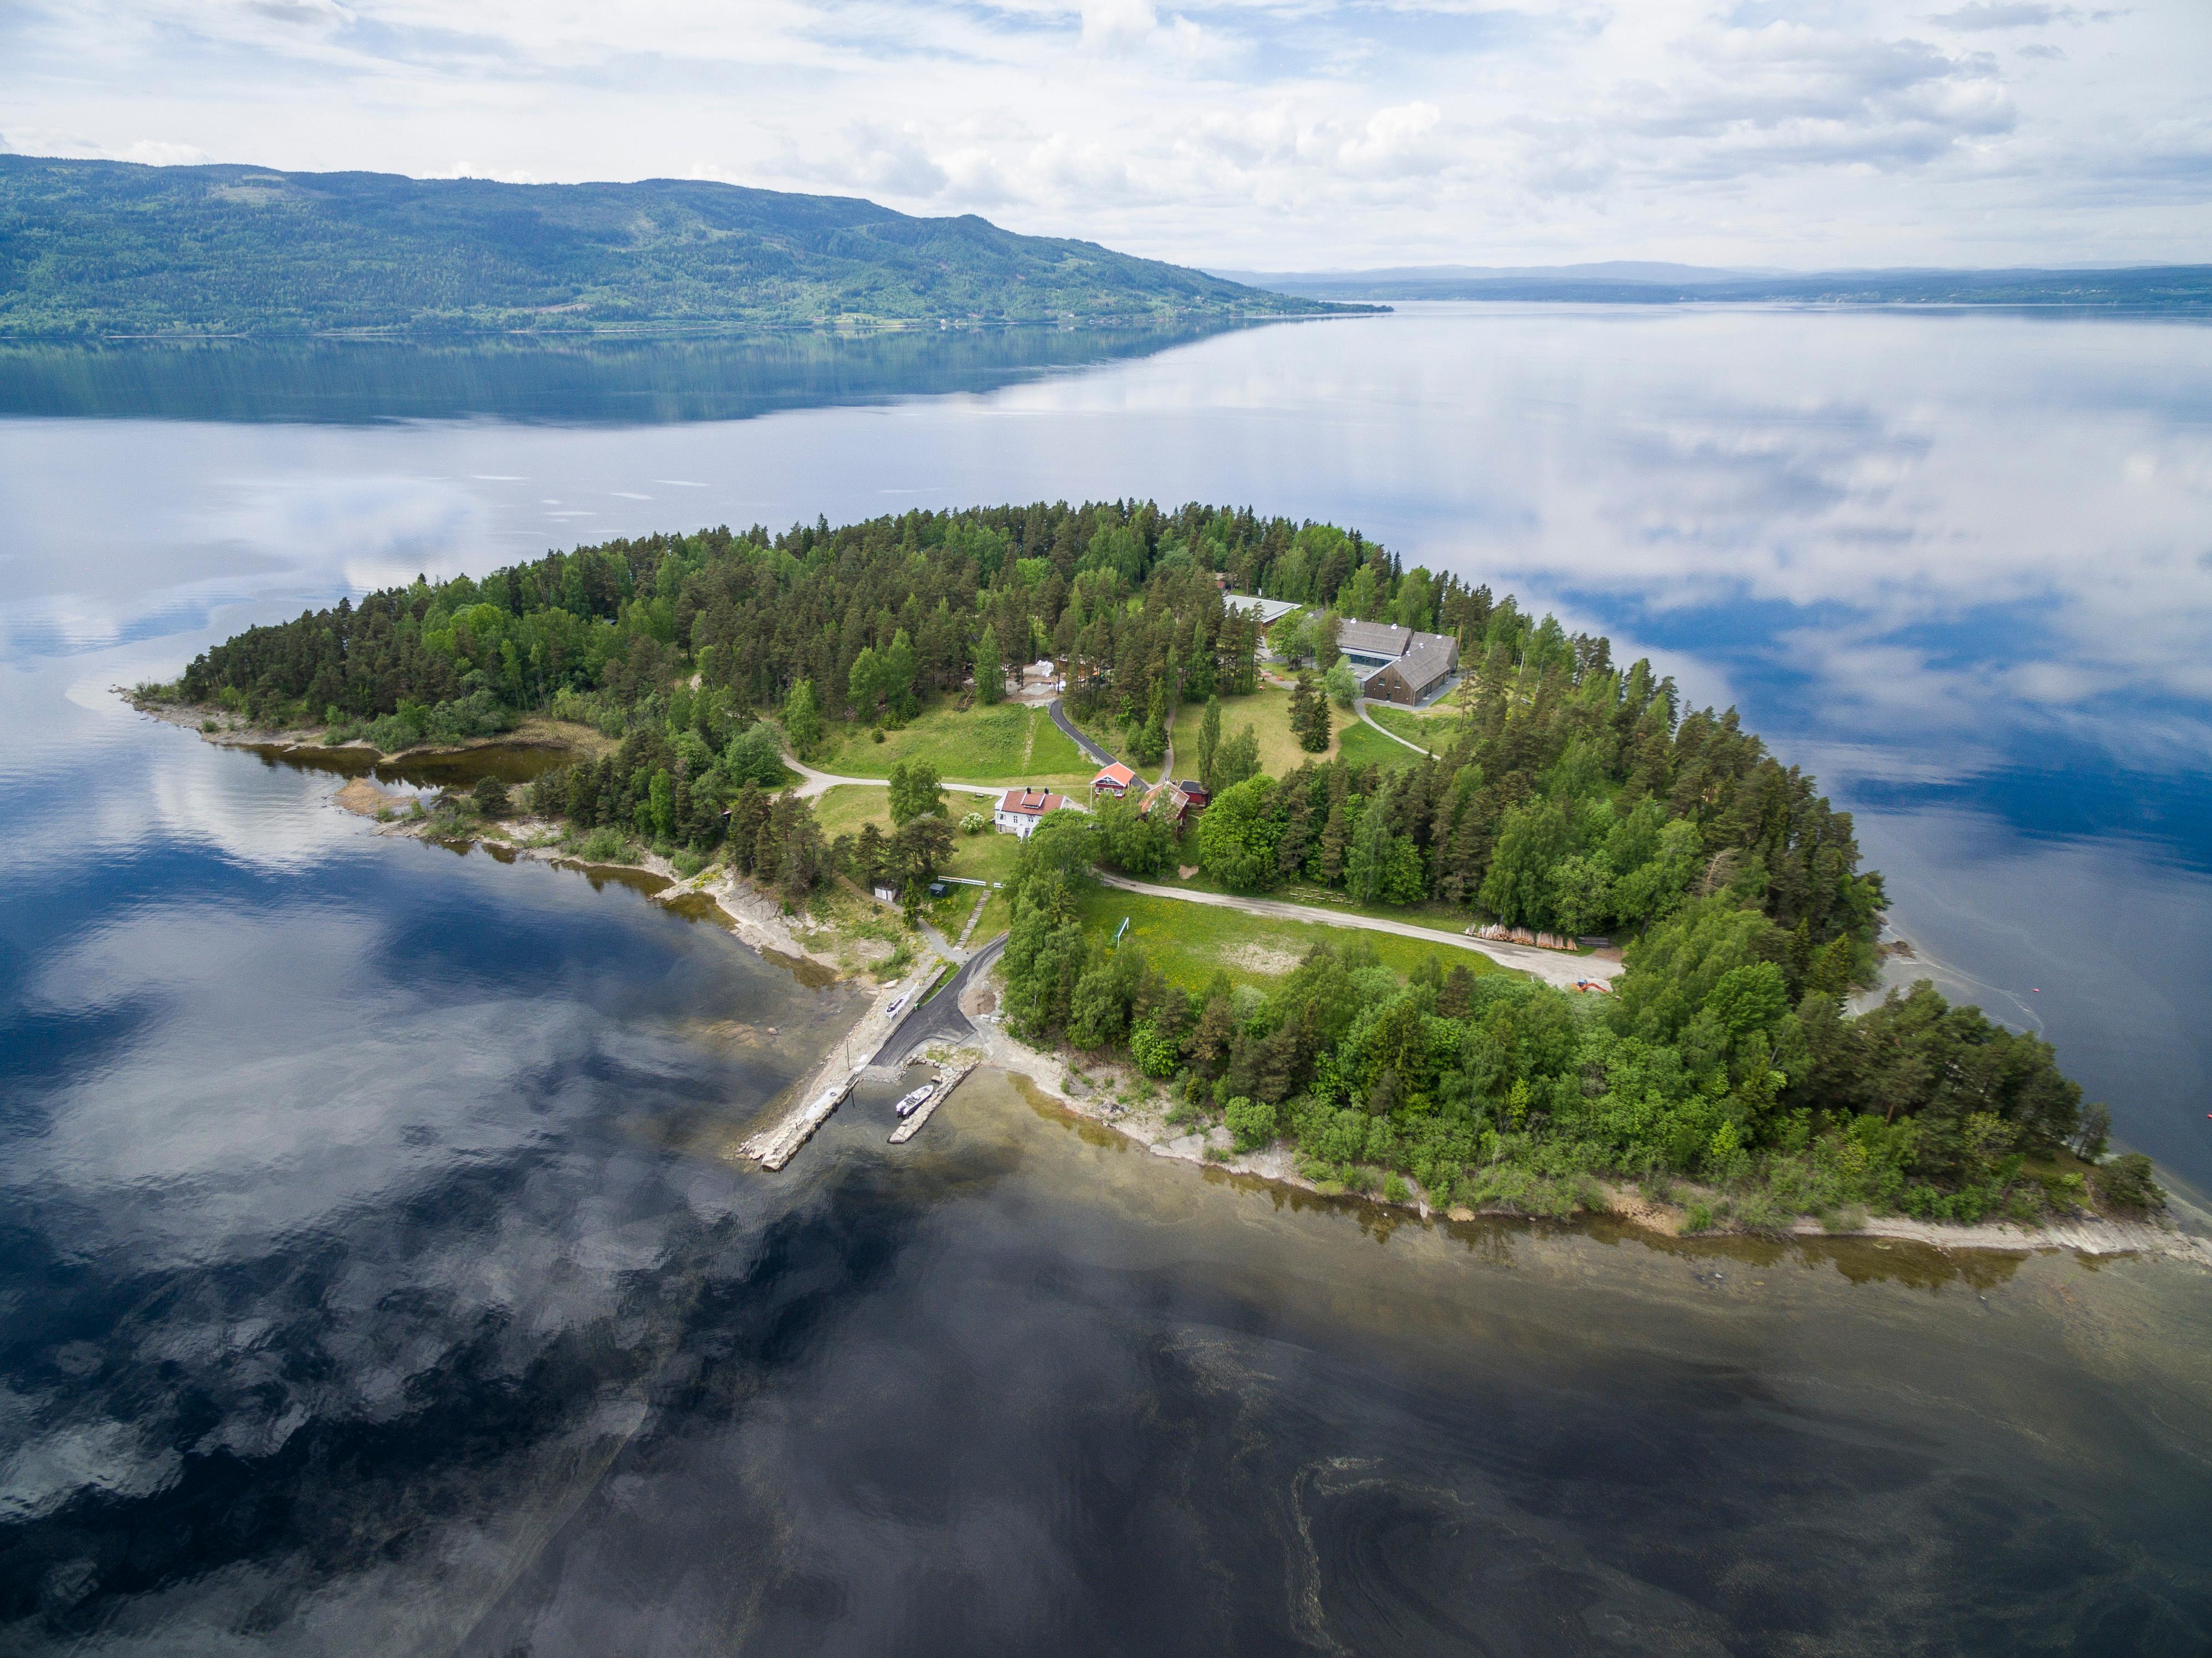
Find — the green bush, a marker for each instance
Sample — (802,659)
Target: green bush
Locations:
(1251,1121)
(607,845)
(2126,1183)
(1155,1055)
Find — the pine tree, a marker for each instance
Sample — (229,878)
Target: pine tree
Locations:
(990,672)
(1333,835)
(1313,732)
(1297,827)
(1301,710)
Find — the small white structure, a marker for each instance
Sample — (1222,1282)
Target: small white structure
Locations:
(1020,810)
(885,893)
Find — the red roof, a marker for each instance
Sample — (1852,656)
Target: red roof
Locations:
(1034,803)
(1117,773)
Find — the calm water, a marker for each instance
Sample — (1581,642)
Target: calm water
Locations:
(372,1279)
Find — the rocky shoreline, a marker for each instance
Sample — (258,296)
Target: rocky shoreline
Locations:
(1091,1092)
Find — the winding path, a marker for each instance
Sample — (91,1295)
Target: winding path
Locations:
(815,783)
(1359,706)
(1552,966)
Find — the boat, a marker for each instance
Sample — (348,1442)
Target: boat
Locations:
(914,1101)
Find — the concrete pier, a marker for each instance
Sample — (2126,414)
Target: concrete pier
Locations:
(953,1079)
(825,1091)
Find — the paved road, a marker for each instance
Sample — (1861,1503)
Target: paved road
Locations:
(1059,719)
(939,1019)
(1552,966)
(1359,703)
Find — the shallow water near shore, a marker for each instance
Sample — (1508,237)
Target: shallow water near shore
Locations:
(374,1278)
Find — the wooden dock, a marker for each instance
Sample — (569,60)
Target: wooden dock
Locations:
(945,1083)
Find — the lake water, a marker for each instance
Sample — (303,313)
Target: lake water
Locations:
(372,1277)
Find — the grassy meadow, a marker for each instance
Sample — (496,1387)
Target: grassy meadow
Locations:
(1008,743)
(1188,942)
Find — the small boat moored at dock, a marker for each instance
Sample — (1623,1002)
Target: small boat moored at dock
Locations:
(913,1101)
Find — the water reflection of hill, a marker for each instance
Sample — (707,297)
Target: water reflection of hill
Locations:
(641,382)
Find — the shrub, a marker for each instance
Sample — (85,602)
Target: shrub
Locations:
(1155,1055)
(490,797)
(1396,1190)
(973,823)
(607,845)
(2125,1182)
(1251,1121)
(1700,1218)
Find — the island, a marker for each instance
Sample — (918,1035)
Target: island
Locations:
(1533,937)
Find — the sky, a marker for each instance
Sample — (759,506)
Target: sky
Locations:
(1276,135)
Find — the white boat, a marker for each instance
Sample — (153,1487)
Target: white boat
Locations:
(914,1101)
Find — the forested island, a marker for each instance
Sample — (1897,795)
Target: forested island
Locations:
(1559,791)
(95,248)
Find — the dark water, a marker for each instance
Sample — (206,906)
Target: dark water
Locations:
(374,1277)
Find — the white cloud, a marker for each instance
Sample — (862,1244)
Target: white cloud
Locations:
(1116,26)
(1276,132)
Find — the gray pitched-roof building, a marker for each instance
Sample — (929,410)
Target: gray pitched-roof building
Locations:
(1372,643)
(1416,672)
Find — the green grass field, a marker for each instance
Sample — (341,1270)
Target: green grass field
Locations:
(1267,711)
(1188,942)
(1008,743)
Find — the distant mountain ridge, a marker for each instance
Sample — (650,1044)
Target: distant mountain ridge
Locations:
(1625,281)
(110,248)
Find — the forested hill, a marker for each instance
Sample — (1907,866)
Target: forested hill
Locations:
(105,248)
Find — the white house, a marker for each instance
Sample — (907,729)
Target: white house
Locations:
(1020,810)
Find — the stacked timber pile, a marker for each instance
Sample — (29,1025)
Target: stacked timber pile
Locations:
(1498,933)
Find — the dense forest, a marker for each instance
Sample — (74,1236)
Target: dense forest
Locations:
(1575,795)
(109,247)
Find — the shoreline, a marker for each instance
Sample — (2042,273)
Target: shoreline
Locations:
(1091,1098)
(231,734)
(758,923)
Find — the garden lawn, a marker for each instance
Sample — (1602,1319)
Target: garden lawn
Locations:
(1008,743)
(1189,942)
(986,857)
(1361,744)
